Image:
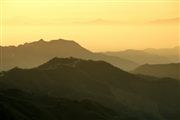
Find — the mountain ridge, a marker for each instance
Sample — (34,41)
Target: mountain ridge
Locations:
(32,54)
(171,70)
(149,55)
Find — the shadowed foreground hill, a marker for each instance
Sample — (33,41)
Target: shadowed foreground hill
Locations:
(130,96)
(32,54)
(18,105)
(160,70)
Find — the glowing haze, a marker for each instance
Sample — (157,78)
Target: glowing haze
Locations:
(99,25)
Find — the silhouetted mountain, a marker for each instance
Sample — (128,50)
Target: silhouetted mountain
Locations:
(19,105)
(32,54)
(151,56)
(160,70)
(131,96)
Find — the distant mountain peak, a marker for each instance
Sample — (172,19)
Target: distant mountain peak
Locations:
(62,40)
(41,51)
(41,40)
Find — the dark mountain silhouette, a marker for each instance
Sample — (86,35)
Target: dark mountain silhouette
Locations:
(131,96)
(19,105)
(150,55)
(32,54)
(160,70)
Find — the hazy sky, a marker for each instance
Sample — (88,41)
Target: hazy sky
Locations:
(99,25)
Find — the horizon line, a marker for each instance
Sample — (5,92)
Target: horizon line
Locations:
(47,41)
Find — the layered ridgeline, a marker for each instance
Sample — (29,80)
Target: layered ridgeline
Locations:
(160,70)
(150,56)
(32,54)
(130,96)
(172,54)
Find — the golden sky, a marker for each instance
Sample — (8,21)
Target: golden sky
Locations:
(99,25)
